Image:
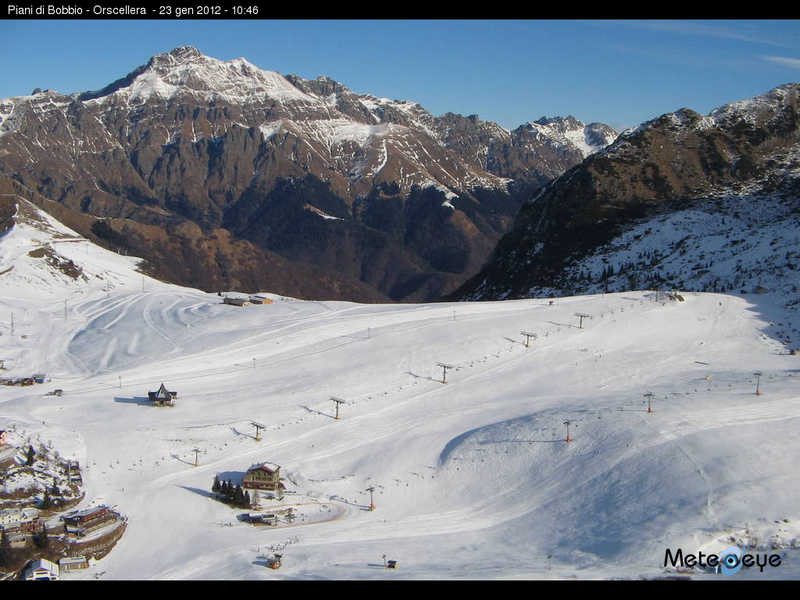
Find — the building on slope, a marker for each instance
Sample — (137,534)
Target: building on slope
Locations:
(19,519)
(41,569)
(236,301)
(264,477)
(162,396)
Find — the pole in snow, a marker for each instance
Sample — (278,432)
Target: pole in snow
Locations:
(196,452)
(258,427)
(758,381)
(567,423)
(371,503)
(649,396)
(581,317)
(528,335)
(444,370)
(337,402)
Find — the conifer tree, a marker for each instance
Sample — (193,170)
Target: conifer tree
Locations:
(40,539)
(31,454)
(216,486)
(5,548)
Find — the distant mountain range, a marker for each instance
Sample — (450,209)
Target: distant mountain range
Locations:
(222,175)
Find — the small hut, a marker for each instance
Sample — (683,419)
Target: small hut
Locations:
(73,562)
(236,301)
(162,396)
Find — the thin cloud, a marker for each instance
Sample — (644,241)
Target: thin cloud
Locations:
(734,31)
(785,61)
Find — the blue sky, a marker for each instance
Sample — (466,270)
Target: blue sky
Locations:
(508,71)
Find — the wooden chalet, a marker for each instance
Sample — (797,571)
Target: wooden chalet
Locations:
(162,396)
(265,476)
(259,300)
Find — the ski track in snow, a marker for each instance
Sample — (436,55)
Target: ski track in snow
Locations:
(471,472)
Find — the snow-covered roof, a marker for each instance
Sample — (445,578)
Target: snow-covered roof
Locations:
(265,466)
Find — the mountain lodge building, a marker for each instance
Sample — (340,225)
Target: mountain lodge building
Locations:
(264,476)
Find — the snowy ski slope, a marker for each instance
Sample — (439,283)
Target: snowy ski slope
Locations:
(473,479)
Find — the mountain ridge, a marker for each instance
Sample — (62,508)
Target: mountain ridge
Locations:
(418,200)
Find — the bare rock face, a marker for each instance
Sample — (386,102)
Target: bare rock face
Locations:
(188,153)
(680,161)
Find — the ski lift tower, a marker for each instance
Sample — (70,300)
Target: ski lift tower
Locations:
(568,439)
(337,402)
(649,396)
(196,452)
(581,317)
(371,489)
(258,427)
(758,381)
(528,335)
(444,370)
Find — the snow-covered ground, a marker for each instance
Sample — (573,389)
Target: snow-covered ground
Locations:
(472,479)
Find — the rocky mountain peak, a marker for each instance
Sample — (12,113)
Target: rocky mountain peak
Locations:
(561,124)
(186,53)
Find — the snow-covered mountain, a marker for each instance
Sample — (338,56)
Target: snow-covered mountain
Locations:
(377,193)
(691,202)
(470,480)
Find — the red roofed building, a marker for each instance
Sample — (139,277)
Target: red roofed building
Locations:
(265,476)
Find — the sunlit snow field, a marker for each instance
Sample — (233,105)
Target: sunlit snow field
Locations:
(472,478)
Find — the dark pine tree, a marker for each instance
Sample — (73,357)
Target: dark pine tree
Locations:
(40,539)
(216,486)
(31,454)
(5,549)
